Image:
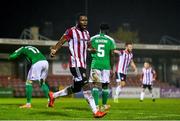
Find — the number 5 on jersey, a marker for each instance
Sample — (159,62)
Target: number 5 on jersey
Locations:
(101,52)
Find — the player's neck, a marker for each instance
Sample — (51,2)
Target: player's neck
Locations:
(127,51)
(79,28)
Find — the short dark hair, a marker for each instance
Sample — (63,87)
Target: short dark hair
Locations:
(148,61)
(104,26)
(79,14)
(128,43)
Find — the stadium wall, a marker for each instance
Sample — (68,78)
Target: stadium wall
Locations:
(165,59)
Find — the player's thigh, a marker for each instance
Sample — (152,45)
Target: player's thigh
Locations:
(95,76)
(79,75)
(121,79)
(150,88)
(44,71)
(105,76)
(35,72)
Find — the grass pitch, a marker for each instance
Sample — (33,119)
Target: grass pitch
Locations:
(78,109)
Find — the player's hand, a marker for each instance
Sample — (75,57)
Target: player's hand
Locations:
(53,51)
(92,50)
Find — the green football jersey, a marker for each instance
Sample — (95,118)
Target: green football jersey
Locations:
(31,53)
(103,45)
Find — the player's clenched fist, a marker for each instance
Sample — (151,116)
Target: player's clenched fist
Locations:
(53,51)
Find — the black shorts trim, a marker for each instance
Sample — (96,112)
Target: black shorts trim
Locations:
(121,76)
(80,73)
(147,86)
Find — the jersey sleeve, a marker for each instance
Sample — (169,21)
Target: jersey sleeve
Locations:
(16,54)
(68,34)
(121,52)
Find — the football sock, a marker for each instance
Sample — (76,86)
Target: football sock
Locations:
(29,90)
(152,95)
(95,93)
(45,89)
(142,96)
(89,98)
(117,91)
(105,95)
(60,93)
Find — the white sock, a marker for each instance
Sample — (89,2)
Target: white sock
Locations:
(152,95)
(60,93)
(88,96)
(142,96)
(117,91)
(28,104)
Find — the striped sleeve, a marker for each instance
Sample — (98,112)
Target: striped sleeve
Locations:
(68,34)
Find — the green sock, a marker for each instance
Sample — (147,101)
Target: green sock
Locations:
(105,95)
(45,89)
(29,90)
(95,93)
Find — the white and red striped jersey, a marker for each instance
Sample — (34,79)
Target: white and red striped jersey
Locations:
(147,76)
(78,43)
(124,60)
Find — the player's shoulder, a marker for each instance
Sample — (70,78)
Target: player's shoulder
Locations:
(95,36)
(75,28)
(110,38)
(20,49)
(71,28)
(143,69)
(121,51)
(27,47)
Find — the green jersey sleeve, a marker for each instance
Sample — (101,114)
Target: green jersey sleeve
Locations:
(16,54)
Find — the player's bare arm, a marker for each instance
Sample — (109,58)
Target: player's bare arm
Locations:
(133,65)
(112,58)
(141,77)
(116,51)
(154,75)
(90,48)
(55,48)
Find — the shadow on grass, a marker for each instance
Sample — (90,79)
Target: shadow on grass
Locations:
(48,113)
(76,108)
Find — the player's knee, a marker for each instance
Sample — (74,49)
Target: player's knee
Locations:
(29,82)
(123,83)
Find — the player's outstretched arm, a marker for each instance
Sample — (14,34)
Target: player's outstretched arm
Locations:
(154,75)
(58,45)
(13,56)
(90,48)
(133,65)
(16,54)
(116,51)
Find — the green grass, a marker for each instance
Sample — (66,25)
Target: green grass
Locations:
(78,109)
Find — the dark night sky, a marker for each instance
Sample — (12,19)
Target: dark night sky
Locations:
(152,18)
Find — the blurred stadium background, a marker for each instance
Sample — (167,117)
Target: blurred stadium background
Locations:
(164,58)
